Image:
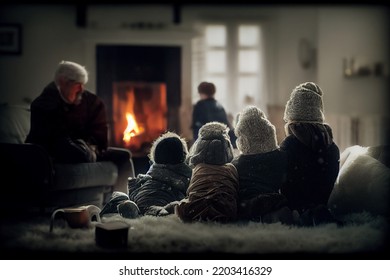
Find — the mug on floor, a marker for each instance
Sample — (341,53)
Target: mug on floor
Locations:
(77,217)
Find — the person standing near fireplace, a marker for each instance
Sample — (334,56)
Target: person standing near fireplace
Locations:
(70,122)
(208,109)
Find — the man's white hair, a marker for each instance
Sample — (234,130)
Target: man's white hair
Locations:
(71,71)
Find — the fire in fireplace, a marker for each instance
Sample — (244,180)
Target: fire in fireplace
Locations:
(139,115)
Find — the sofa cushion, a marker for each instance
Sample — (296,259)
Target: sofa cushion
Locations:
(76,197)
(81,175)
(14,123)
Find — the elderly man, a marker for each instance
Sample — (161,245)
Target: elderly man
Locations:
(70,122)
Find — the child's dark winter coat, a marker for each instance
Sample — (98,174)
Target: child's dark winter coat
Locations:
(261,173)
(313,157)
(166,180)
(261,166)
(313,165)
(164,184)
(161,185)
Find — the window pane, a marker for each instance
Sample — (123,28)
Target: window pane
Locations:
(248,35)
(247,89)
(216,61)
(248,61)
(216,35)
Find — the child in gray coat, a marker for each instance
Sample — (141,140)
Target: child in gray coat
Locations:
(165,183)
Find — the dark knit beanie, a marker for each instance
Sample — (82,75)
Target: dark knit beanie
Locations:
(213,145)
(169,149)
(305,104)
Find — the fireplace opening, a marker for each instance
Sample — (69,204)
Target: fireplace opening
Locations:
(139,115)
(141,87)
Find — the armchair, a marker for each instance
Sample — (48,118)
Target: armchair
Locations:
(33,180)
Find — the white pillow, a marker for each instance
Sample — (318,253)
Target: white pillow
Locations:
(362,184)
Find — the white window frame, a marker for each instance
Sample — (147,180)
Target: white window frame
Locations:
(231,100)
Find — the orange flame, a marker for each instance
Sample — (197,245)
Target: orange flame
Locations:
(132,128)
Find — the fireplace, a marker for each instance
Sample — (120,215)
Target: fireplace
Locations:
(140,85)
(139,112)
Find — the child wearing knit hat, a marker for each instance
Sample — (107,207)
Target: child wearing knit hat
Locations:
(313,157)
(166,182)
(213,191)
(262,168)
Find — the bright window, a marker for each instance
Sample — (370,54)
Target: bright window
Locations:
(215,35)
(248,61)
(216,61)
(248,88)
(248,35)
(229,55)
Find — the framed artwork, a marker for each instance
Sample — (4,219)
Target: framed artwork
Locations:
(10,38)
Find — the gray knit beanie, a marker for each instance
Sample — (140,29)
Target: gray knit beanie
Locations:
(255,133)
(305,104)
(213,145)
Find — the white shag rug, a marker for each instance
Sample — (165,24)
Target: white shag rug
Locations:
(362,233)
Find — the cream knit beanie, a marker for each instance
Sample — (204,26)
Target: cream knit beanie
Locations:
(305,104)
(255,133)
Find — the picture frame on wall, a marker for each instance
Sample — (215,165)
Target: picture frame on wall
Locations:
(10,38)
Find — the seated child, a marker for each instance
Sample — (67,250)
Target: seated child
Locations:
(166,181)
(213,191)
(313,157)
(262,168)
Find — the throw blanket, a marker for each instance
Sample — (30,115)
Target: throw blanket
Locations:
(212,194)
